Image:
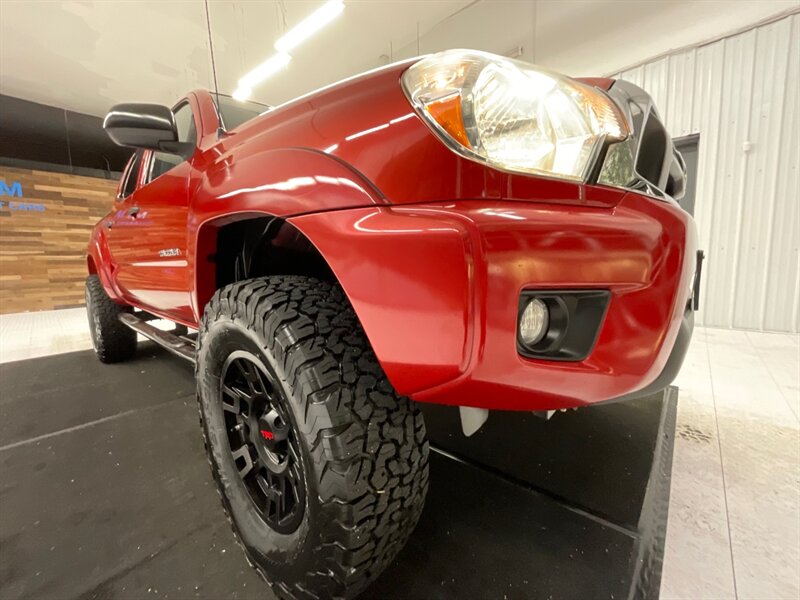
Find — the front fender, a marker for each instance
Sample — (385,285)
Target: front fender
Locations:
(411,278)
(243,184)
(282,182)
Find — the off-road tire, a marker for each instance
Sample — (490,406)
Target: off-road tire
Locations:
(113,342)
(363,447)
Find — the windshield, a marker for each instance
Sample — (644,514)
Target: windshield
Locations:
(234,112)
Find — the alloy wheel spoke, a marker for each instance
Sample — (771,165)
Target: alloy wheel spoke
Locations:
(282,510)
(242,454)
(263,484)
(234,399)
(251,375)
(291,454)
(262,444)
(270,496)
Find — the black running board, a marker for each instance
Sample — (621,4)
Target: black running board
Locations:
(181,346)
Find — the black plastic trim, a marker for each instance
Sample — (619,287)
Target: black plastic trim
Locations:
(575,319)
(658,168)
(698,274)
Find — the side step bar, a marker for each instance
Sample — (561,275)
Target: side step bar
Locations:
(183,347)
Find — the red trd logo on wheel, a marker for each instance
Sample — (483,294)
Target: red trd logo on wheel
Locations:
(267,435)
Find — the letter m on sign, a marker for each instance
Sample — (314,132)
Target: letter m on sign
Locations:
(14,190)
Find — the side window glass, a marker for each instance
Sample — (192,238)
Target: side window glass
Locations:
(161,163)
(187,133)
(131,175)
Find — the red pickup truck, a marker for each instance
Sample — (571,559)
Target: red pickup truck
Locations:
(460,228)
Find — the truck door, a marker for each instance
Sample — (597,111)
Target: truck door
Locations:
(150,237)
(116,221)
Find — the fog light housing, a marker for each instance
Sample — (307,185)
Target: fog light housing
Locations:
(534,322)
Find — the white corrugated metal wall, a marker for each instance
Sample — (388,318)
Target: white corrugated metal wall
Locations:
(742,95)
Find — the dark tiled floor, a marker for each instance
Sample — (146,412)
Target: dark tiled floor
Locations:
(105,493)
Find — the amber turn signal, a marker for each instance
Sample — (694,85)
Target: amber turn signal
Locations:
(447,113)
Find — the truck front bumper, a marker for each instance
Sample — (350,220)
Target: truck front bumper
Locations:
(437,288)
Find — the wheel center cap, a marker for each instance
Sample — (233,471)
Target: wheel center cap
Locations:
(272,433)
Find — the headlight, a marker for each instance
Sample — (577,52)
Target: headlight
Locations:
(513,115)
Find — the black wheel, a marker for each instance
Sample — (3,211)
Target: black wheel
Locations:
(321,466)
(112,341)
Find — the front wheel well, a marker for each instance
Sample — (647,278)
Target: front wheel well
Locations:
(254,246)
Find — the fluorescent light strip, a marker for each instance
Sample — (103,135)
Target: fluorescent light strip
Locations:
(272,65)
(290,40)
(242,93)
(309,26)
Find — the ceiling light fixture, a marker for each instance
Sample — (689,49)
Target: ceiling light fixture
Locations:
(290,40)
(242,93)
(310,25)
(272,65)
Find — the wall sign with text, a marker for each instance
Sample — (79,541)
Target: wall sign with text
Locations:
(15,191)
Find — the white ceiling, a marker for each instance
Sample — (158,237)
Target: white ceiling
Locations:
(86,56)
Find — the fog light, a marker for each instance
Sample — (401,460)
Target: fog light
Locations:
(533,323)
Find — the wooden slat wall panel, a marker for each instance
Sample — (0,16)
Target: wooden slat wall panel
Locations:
(43,254)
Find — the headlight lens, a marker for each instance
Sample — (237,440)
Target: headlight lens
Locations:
(513,115)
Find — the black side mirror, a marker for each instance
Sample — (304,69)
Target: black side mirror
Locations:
(148,126)
(676,182)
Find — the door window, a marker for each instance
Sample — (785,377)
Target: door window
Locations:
(131,176)
(161,162)
(233,113)
(184,119)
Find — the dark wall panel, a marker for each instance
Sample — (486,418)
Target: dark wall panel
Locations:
(46,134)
